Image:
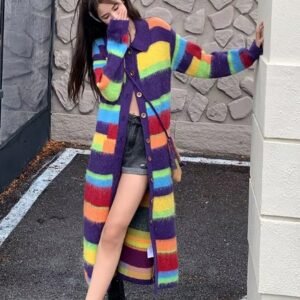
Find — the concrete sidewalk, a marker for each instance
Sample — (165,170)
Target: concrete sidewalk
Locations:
(41,259)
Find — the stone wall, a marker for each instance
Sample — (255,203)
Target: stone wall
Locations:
(27,42)
(209,116)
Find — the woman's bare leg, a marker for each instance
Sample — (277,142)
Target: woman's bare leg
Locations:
(129,193)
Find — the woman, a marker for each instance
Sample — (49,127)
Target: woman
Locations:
(129,186)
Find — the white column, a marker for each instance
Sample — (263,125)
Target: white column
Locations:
(274,186)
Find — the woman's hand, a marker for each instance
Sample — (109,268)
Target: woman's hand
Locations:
(259,34)
(121,13)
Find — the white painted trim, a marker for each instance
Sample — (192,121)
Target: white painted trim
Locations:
(204,160)
(214,161)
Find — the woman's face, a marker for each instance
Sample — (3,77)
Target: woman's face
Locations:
(107,11)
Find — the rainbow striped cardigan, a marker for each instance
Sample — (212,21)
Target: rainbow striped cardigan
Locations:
(154,53)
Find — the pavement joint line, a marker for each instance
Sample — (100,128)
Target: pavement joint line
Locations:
(212,161)
(19,210)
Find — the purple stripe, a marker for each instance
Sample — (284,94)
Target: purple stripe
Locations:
(172,42)
(159,34)
(88,268)
(185,63)
(102,127)
(160,158)
(136,258)
(219,65)
(164,228)
(163,191)
(92,231)
(108,165)
(160,80)
(114,68)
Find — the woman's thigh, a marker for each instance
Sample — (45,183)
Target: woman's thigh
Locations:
(129,194)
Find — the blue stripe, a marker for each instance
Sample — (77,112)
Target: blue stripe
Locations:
(236,60)
(116,48)
(160,182)
(167,274)
(181,51)
(159,108)
(99,64)
(108,116)
(98,182)
(95,46)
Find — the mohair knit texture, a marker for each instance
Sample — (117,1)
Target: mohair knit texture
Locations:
(150,58)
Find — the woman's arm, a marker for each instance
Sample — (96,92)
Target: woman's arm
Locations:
(189,58)
(109,69)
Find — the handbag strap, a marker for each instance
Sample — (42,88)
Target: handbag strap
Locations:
(151,105)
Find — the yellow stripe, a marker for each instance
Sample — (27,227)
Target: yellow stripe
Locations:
(89,252)
(157,52)
(137,239)
(163,206)
(135,272)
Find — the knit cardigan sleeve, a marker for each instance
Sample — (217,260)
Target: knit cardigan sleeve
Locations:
(190,58)
(108,59)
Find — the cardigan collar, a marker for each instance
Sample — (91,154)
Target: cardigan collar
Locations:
(141,40)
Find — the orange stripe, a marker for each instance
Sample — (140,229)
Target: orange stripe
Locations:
(135,272)
(157,22)
(109,146)
(206,57)
(104,82)
(169,245)
(94,213)
(158,140)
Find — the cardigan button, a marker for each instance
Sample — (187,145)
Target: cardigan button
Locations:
(131,73)
(149,158)
(147,140)
(129,51)
(139,94)
(143,115)
(151,221)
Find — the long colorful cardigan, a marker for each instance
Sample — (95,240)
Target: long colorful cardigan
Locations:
(155,52)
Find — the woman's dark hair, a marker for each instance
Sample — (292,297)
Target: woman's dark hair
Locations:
(88,29)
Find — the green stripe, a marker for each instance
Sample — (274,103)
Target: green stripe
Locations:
(99,176)
(162,173)
(154,68)
(167,280)
(160,100)
(203,70)
(112,91)
(230,63)
(110,107)
(164,214)
(97,147)
(88,245)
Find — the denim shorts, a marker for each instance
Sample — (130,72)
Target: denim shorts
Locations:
(134,159)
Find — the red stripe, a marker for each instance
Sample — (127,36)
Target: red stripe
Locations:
(246,59)
(193,49)
(112,131)
(154,124)
(96,195)
(125,39)
(167,262)
(98,74)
